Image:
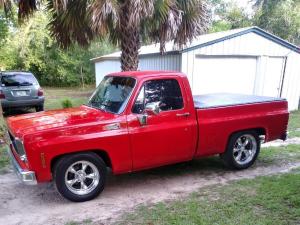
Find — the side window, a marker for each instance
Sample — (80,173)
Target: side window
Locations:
(167,92)
(139,102)
(171,97)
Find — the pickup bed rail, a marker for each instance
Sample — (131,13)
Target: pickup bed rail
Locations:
(226,99)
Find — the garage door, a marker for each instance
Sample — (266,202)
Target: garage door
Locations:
(215,74)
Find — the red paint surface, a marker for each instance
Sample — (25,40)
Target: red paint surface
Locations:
(165,140)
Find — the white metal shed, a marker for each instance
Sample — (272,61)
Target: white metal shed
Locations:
(246,61)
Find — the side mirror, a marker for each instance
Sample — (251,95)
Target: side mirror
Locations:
(143,119)
(152,108)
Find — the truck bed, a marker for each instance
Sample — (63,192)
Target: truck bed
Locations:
(226,99)
(221,115)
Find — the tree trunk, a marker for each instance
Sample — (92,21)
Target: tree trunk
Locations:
(81,75)
(130,41)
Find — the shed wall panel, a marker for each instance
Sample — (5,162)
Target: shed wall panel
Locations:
(160,62)
(105,67)
(291,83)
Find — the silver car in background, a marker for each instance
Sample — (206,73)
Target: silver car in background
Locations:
(20,90)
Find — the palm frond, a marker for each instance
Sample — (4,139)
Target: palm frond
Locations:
(178,20)
(194,21)
(104,15)
(70,22)
(26,8)
(169,28)
(60,4)
(162,27)
(6,5)
(139,10)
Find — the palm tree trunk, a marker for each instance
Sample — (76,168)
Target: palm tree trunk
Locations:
(130,41)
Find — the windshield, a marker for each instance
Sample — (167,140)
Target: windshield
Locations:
(18,80)
(112,94)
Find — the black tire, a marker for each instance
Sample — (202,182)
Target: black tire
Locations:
(39,108)
(4,111)
(60,170)
(230,155)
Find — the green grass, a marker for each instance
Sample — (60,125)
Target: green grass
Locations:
(264,200)
(55,96)
(84,222)
(294,124)
(57,103)
(279,155)
(4,160)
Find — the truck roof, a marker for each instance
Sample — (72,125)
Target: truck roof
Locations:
(147,73)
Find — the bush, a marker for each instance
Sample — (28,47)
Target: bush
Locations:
(67,103)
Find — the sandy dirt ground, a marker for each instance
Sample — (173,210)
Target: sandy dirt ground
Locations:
(42,204)
(291,141)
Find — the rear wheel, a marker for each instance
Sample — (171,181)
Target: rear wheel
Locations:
(80,177)
(39,108)
(242,150)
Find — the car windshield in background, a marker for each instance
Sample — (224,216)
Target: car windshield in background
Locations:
(8,80)
(112,94)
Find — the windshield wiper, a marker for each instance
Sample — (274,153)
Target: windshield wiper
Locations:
(98,106)
(25,84)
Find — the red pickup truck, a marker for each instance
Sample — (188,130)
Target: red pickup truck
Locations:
(135,121)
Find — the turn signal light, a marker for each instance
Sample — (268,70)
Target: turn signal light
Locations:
(2,95)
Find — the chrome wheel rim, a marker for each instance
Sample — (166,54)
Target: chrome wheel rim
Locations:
(82,177)
(244,149)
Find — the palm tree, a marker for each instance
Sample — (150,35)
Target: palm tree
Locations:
(26,7)
(125,22)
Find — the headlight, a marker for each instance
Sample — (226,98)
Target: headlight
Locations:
(19,147)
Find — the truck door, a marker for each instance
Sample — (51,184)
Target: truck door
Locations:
(164,138)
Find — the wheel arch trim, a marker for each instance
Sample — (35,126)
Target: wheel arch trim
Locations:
(261,131)
(101,153)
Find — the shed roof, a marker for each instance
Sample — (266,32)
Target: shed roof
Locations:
(202,41)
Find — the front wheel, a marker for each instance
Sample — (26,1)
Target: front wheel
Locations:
(242,150)
(80,177)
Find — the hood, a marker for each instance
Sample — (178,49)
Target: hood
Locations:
(35,122)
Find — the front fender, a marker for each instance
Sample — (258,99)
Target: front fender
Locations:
(47,147)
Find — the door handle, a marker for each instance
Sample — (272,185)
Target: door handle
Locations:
(183,115)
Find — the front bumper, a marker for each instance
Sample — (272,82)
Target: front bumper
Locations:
(27,177)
